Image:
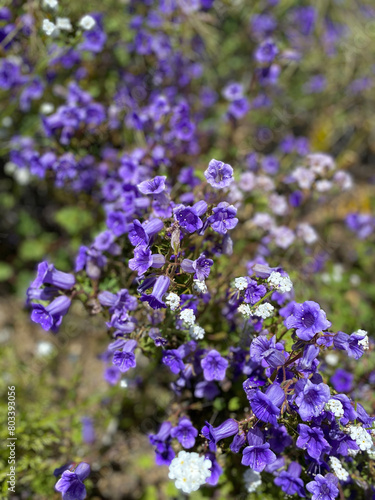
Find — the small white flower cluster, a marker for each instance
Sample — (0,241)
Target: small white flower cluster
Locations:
(264,310)
(188,316)
(189,470)
(338,469)
(335,406)
(200,286)
(173,300)
(197,332)
(63,23)
(241,283)
(364,342)
(252,480)
(245,310)
(361,437)
(282,284)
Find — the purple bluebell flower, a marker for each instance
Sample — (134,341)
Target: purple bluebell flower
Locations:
(311,400)
(267,406)
(48,274)
(323,488)
(312,440)
(189,217)
(141,234)
(201,267)
(50,317)
(266,52)
(310,354)
(214,366)
(342,380)
(290,481)
(254,292)
(173,359)
(143,260)
(279,439)
(223,218)
(219,174)
(308,319)
(215,469)
(206,390)
(258,454)
(153,186)
(155,299)
(215,434)
(117,223)
(125,359)
(185,432)
(71,483)
(350,343)
(238,108)
(161,440)
(112,375)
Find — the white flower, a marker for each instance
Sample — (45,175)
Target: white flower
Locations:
(361,437)
(307,233)
(304,177)
(264,221)
(252,480)
(197,332)
(63,23)
(189,470)
(48,27)
(241,283)
(245,310)
(47,108)
(52,4)
(264,310)
(321,163)
(364,342)
(338,469)
(278,204)
(87,22)
(188,316)
(265,183)
(323,186)
(335,406)
(172,300)
(343,179)
(332,359)
(200,286)
(282,284)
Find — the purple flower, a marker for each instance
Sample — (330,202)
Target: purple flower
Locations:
(143,260)
(125,359)
(266,52)
(308,319)
(323,488)
(71,483)
(116,221)
(48,274)
(219,174)
(223,218)
(254,292)
(173,359)
(155,299)
(88,431)
(185,433)
(153,186)
(214,366)
(141,234)
(266,406)
(342,380)
(311,400)
(50,317)
(290,482)
(189,217)
(215,434)
(349,343)
(312,439)
(201,267)
(112,375)
(258,455)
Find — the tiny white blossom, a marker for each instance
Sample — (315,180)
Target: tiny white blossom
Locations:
(189,470)
(200,286)
(48,27)
(245,310)
(361,437)
(338,469)
(173,301)
(332,359)
(264,310)
(188,316)
(87,22)
(197,332)
(364,342)
(282,284)
(52,4)
(335,406)
(63,23)
(47,108)
(323,185)
(241,283)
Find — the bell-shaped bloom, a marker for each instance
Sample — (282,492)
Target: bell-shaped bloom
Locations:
(189,217)
(143,260)
(50,317)
(141,234)
(223,218)
(71,483)
(48,274)
(254,292)
(201,267)
(155,299)
(173,359)
(266,406)
(312,440)
(258,454)
(238,441)
(215,469)
(323,488)
(125,359)
(219,174)
(311,399)
(215,434)
(289,481)
(153,186)
(310,353)
(214,366)
(185,433)
(308,319)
